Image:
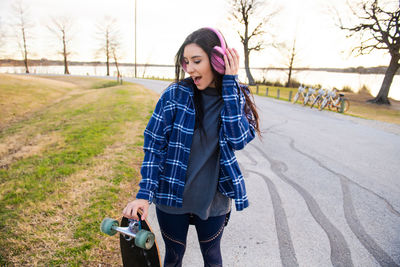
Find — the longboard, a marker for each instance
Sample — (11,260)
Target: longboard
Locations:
(137,241)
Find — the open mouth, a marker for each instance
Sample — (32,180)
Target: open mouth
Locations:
(196,79)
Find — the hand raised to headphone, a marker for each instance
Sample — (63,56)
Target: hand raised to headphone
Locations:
(231,59)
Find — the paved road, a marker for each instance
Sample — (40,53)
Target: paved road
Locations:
(324,190)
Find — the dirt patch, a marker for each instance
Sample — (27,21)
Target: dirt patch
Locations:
(13,118)
(41,80)
(27,94)
(20,146)
(79,81)
(361,98)
(359,107)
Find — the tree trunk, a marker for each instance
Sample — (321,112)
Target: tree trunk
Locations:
(289,82)
(382,97)
(108,55)
(245,42)
(108,66)
(66,71)
(25,51)
(116,65)
(246,65)
(26,63)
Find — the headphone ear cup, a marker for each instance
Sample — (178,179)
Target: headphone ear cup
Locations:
(217,60)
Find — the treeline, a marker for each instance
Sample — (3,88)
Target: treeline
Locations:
(48,62)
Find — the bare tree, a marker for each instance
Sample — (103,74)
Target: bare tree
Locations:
(61,27)
(108,35)
(114,51)
(243,11)
(378,28)
(146,64)
(290,54)
(23,26)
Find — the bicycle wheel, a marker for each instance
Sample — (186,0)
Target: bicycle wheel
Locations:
(315,101)
(323,104)
(332,106)
(346,106)
(296,97)
(305,100)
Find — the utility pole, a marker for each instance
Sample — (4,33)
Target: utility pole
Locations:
(135,41)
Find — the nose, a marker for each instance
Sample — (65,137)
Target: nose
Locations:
(189,68)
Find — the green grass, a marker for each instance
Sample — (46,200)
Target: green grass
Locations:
(104,84)
(273,91)
(87,126)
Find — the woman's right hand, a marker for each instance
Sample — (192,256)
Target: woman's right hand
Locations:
(130,211)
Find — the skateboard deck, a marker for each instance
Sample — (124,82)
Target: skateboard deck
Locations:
(135,256)
(139,251)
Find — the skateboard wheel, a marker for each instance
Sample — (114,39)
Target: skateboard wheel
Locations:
(107,226)
(144,239)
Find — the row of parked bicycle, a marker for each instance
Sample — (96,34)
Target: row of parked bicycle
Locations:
(322,98)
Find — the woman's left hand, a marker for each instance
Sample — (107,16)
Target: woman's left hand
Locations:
(231,58)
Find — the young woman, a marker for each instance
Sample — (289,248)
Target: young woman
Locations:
(189,169)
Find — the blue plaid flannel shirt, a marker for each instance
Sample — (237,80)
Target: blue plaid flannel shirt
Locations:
(168,138)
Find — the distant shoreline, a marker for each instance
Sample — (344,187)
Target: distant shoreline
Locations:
(46,62)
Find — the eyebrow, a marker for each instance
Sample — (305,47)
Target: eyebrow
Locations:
(192,57)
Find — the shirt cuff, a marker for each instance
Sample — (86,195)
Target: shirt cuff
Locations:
(145,194)
(230,77)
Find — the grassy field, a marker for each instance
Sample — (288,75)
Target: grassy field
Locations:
(70,154)
(358,105)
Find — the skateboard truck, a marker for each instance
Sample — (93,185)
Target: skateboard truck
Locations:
(133,227)
(143,238)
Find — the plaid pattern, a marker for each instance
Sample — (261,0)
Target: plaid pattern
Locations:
(168,138)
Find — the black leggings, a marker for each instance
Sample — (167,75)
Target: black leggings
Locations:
(174,229)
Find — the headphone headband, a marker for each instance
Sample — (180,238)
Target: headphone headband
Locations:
(222,48)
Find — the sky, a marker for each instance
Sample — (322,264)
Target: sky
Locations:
(162,26)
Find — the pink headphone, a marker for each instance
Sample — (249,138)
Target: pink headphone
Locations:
(217,56)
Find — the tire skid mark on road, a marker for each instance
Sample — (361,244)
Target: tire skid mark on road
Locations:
(286,248)
(389,206)
(269,128)
(356,227)
(340,252)
(350,214)
(253,162)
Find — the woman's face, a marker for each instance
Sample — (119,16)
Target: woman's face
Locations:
(198,66)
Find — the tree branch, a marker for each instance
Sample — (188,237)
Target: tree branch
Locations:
(257,31)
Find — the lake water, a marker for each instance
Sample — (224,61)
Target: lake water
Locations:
(324,78)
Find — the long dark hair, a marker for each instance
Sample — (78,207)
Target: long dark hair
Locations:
(207,39)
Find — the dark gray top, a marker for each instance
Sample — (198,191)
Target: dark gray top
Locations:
(200,195)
